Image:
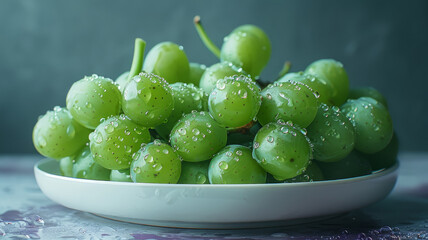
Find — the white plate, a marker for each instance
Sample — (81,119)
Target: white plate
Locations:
(214,206)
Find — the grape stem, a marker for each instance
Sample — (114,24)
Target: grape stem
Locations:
(204,37)
(285,69)
(137,61)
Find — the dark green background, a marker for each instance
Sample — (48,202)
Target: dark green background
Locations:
(46,45)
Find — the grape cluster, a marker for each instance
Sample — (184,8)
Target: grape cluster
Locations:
(170,121)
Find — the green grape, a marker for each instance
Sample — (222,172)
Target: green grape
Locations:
(123,175)
(85,167)
(386,157)
(169,61)
(197,137)
(216,72)
(115,140)
(196,72)
(289,101)
(93,98)
(122,80)
(331,134)
(283,150)
(353,165)
(156,162)
(247,47)
(187,98)
(66,166)
(318,85)
(58,135)
(311,174)
(194,172)
(333,72)
(235,165)
(148,100)
(368,92)
(372,124)
(235,101)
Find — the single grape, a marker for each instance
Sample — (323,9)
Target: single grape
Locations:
(322,89)
(85,167)
(66,166)
(331,134)
(216,72)
(57,135)
(156,162)
(368,92)
(187,98)
(148,100)
(235,101)
(372,123)
(282,150)
(93,98)
(169,61)
(115,140)
(122,81)
(386,157)
(235,165)
(197,137)
(353,165)
(123,175)
(194,172)
(333,72)
(289,101)
(247,47)
(196,72)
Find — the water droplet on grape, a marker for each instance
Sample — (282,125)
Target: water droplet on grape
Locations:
(256,145)
(157,142)
(220,85)
(201,178)
(71,132)
(109,128)
(195,131)
(223,165)
(42,141)
(137,170)
(182,131)
(98,137)
(157,167)
(270,139)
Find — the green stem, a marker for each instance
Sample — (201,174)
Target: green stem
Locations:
(204,37)
(285,69)
(137,61)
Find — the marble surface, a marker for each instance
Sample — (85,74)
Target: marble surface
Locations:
(25,213)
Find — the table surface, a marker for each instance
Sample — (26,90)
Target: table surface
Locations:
(25,213)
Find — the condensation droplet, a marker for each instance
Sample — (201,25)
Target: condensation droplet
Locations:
(223,165)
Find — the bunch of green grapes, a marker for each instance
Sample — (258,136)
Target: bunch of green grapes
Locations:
(168,120)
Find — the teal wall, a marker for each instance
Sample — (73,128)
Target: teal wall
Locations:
(46,45)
